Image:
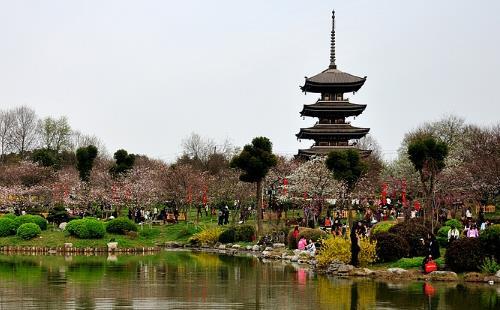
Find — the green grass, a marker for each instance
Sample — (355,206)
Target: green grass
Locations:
(413,263)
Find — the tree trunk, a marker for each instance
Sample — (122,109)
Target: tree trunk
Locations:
(259,208)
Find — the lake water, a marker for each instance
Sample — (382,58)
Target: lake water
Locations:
(185,280)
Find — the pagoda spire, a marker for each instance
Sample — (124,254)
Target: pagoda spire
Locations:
(332,44)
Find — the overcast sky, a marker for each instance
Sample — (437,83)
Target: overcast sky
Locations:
(143,75)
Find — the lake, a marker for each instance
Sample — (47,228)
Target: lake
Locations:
(186,280)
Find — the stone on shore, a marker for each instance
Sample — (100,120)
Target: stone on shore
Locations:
(236,246)
(256,248)
(268,248)
(248,247)
(497,274)
(443,276)
(397,270)
(278,245)
(473,277)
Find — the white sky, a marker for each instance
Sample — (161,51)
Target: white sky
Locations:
(143,75)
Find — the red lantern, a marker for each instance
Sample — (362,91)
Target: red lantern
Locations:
(285,184)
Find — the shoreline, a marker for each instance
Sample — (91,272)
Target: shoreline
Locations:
(277,252)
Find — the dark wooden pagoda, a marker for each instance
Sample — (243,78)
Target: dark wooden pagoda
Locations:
(332,131)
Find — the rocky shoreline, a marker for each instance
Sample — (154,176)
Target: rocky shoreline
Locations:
(278,251)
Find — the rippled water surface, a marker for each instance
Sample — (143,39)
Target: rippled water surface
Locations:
(185,280)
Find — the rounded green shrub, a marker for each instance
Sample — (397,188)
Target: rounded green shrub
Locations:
(391,247)
(228,235)
(9,215)
(442,235)
(88,228)
(490,241)
(7,227)
(28,231)
(309,233)
(120,225)
(245,233)
(381,227)
(453,223)
(464,254)
(28,218)
(412,232)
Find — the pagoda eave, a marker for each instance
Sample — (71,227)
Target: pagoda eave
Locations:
(311,87)
(325,150)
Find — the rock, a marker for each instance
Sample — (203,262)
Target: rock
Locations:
(397,270)
(256,248)
(278,245)
(361,272)
(266,254)
(68,245)
(248,247)
(229,245)
(443,276)
(62,226)
(497,274)
(296,252)
(294,258)
(236,246)
(268,248)
(473,277)
(344,268)
(173,244)
(222,247)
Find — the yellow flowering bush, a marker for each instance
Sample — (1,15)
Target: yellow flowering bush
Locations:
(368,252)
(338,248)
(208,236)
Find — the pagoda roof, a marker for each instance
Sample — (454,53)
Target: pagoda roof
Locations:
(324,150)
(332,108)
(333,80)
(332,130)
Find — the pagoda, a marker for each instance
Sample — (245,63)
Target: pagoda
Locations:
(332,131)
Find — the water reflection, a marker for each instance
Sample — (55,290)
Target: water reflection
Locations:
(207,281)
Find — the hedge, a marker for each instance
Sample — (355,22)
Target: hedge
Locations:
(88,228)
(120,225)
(464,254)
(391,247)
(28,218)
(7,227)
(28,231)
(412,232)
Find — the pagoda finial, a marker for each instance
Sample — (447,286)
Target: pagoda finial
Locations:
(332,44)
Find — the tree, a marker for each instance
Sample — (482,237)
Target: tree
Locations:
(55,134)
(25,129)
(428,156)
(123,162)
(6,131)
(85,157)
(255,160)
(347,167)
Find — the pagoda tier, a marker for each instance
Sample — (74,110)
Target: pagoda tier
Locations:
(332,132)
(332,109)
(324,150)
(333,81)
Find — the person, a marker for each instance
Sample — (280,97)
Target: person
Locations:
(328,223)
(311,248)
(468,214)
(433,245)
(226,215)
(354,245)
(220,217)
(295,234)
(302,244)
(473,232)
(426,260)
(176,214)
(453,234)
(484,225)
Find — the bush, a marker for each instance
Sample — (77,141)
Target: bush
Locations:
(88,228)
(381,227)
(465,254)
(28,231)
(442,235)
(338,248)
(208,236)
(314,234)
(120,225)
(58,214)
(454,223)
(28,218)
(391,247)
(412,232)
(490,266)
(9,216)
(334,248)
(7,227)
(245,233)
(490,241)
(228,235)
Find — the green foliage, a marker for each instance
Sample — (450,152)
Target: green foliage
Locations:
(45,157)
(28,231)
(414,262)
(427,153)
(123,162)
(228,235)
(442,235)
(7,227)
(255,160)
(28,218)
(453,223)
(85,157)
(88,228)
(346,166)
(412,232)
(120,225)
(312,234)
(465,254)
(490,241)
(381,227)
(245,233)
(391,247)
(58,214)
(9,215)
(490,266)
(208,236)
